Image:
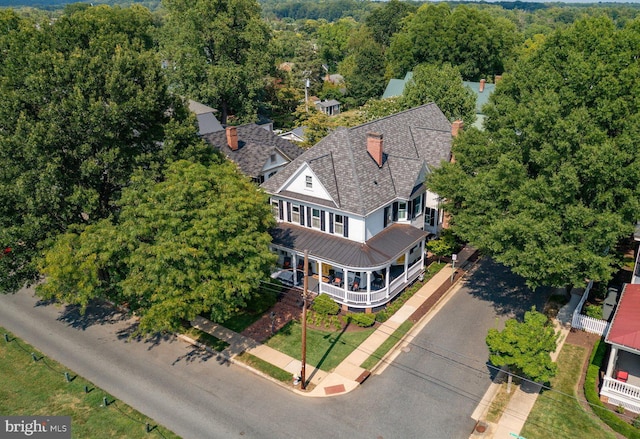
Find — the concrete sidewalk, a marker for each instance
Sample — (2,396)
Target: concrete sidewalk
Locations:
(348,375)
(525,396)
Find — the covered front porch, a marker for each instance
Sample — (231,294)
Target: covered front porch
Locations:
(621,383)
(355,275)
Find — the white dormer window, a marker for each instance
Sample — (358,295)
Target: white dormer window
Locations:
(309,181)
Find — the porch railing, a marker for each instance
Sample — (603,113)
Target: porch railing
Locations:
(620,393)
(362,299)
(588,324)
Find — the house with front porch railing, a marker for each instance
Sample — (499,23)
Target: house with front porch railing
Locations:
(357,202)
(621,383)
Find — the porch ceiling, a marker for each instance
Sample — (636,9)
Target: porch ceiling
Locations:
(380,250)
(625,327)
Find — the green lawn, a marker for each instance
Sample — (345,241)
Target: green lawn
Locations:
(39,388)
(387,345)
(559,415)
(325,350)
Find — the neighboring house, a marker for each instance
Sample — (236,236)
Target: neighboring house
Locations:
(207,121)
(395,87)
(621,382)
(258,152)
(481,89)
(295,135)
(329,107)
(357,202)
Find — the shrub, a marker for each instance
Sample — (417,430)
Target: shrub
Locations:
(636,422)
(593,311)
(363,320)
(325,305)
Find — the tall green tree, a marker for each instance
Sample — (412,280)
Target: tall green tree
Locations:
(386,20)
(363,68)
(471,39)
(552,185)
(84,103)
(442,85)
(525,347)
(217,53)
(195,242)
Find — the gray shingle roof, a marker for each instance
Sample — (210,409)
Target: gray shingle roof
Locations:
(413,139)
(255,145)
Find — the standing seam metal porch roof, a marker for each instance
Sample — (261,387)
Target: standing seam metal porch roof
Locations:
(625,326)
(412,140)
(380,250)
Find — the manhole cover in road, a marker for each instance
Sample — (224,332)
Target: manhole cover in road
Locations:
(406,349)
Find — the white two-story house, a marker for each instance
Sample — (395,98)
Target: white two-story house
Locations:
(357,202)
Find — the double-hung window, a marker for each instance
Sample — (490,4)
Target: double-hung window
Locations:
(338,225)
(309,181)
(315,218)
(402,211)
(295,213)
(275,208)
(417,206)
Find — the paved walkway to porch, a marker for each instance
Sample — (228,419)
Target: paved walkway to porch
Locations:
(348,375)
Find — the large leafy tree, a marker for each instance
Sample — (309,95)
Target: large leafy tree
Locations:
(217,53)
(195,242)
(468,38)
(386,20)
(363,68)
(442,85)
(553,183)
(525,347)
(84,103)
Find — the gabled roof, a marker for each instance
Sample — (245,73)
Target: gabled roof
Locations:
(207,121)
(328,103)
(625,326)
(255,146)
(412,140)
(395,87)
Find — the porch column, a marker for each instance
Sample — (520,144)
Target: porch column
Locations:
(320,283)
(368,286)
(294,263)
(406,266)
(612,361)
(422,252)
(386,279)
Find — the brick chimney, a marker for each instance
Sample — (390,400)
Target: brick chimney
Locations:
(482,82)
(232,138)
(456,127)
(374,147)
(497,79)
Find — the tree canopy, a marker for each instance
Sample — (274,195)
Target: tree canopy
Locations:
(84,103)
(553,183)
(194,242)
(525,347)
(478,43)
(217,53)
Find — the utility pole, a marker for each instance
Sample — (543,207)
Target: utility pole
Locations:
(305,284)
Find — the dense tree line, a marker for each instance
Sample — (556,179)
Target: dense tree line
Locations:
(552,185)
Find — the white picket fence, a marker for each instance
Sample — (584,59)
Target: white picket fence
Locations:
(588,324)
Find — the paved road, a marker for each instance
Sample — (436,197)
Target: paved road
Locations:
(428,392)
